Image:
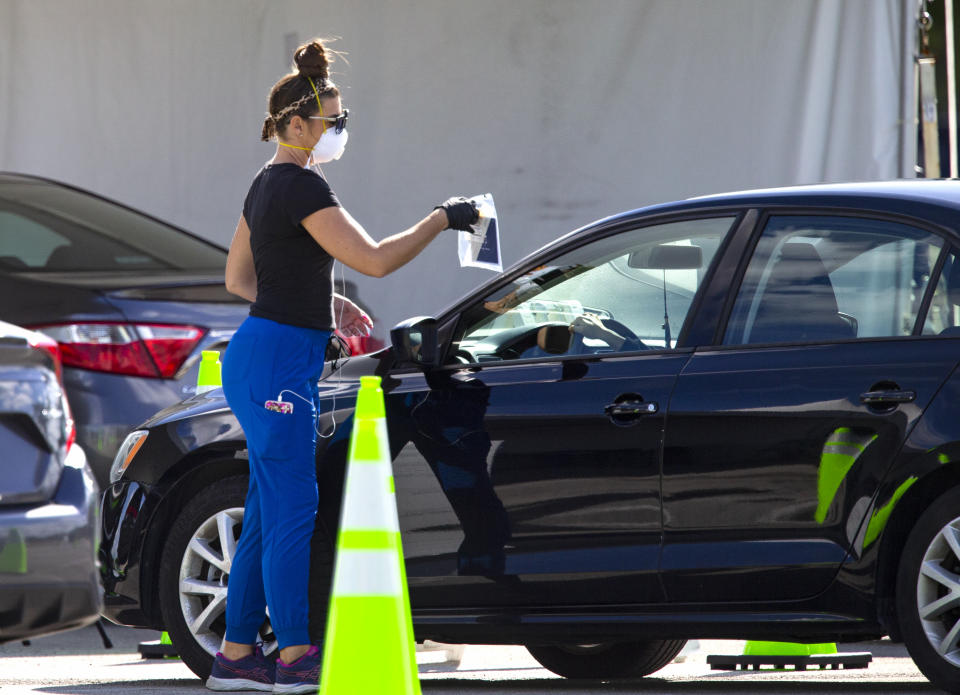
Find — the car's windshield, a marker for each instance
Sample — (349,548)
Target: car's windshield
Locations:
(50,228)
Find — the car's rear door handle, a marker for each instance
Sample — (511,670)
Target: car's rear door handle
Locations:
(888,396)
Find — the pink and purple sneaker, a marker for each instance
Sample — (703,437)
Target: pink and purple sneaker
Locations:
(302,676)
(253,672)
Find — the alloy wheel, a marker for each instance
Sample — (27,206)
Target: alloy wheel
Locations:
(204,573)
(938,592)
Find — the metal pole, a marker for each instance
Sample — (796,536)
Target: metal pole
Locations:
(951,89)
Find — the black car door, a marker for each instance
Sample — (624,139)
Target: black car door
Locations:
(528,470)
(776,440)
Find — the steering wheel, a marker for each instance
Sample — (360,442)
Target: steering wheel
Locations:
(620,328)
(522,340)
(578,347)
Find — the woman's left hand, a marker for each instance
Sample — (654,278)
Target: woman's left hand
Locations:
(351,319)
(589,326)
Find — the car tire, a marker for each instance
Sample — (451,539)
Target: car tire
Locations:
(609,660)
(196,621)
(928,592)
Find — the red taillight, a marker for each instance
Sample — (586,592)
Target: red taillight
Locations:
(150,350)
(169,346)
(50,346)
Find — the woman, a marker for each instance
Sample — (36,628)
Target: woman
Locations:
(281,259)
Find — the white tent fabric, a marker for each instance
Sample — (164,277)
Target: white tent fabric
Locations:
(566,111)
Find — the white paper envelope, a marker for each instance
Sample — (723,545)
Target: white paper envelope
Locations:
(480,248)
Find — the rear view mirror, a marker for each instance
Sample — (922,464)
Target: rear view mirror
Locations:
(667,257)
(415,341)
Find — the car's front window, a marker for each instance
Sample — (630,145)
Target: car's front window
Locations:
(56,229)
(627,292)
(832,278)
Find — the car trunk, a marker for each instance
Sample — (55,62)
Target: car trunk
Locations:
(183,299)
(198,299)
(186,286)
(186,297)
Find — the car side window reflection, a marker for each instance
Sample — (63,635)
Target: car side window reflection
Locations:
(824,279)
(623,293)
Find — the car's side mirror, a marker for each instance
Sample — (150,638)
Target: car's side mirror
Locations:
(415,341)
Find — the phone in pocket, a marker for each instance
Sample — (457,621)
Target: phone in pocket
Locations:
(282,407)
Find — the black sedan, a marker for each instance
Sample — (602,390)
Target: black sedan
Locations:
(49,501)
(131,300)
(728,417)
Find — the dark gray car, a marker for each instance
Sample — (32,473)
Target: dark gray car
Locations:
(131,300)
(49,530)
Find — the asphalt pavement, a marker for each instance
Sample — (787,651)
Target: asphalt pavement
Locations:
(76,663)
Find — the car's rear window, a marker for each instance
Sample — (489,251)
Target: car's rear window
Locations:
(46,227)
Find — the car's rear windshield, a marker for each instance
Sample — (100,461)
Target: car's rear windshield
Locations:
(45,227)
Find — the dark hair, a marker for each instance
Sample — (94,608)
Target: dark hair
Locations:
(293,94)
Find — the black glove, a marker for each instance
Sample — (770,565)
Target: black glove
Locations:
(461,213)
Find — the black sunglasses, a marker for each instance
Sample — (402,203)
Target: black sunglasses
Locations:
(339,120)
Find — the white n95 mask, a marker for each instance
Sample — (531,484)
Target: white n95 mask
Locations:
(330,146)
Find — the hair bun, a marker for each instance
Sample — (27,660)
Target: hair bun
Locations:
(311,60)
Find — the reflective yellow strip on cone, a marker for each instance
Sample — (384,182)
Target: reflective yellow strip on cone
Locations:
(359,539)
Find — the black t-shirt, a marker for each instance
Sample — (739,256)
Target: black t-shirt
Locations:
(294,273)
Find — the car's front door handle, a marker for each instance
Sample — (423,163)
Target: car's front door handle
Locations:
(627,411)
(888,396)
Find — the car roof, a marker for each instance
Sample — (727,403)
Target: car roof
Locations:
(936,199)
(944,192)
(899,195)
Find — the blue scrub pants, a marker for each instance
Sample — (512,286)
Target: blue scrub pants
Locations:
(272,562)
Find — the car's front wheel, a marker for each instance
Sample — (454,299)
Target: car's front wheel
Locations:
(609,660)
(928,592)
(194,569)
